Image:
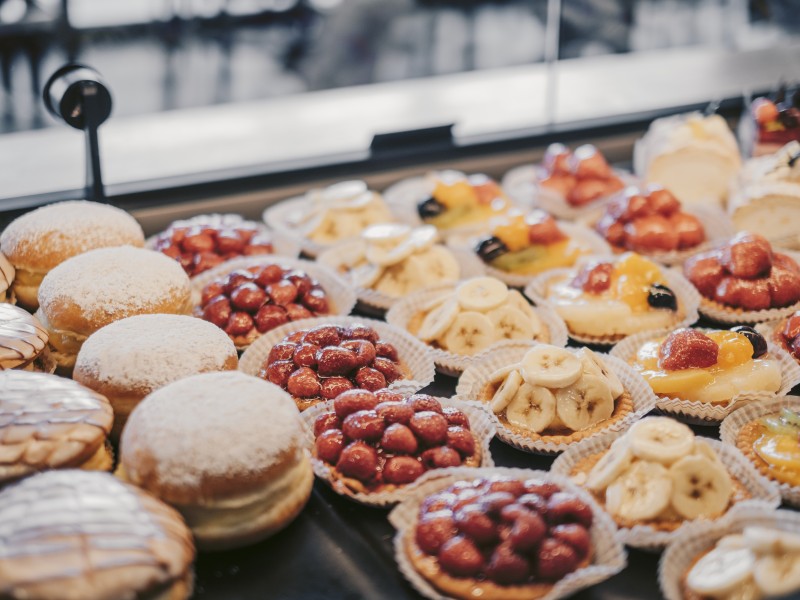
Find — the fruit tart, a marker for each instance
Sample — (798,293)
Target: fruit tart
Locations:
(503,537)
(770,122)
(528,244)
(787,334)
(373,443)
(603,300)
(321,362)
(206,241)
(257,297)
(744,280)
(394,259)
(650,221)
(326,216)
(707,366)
(658,474)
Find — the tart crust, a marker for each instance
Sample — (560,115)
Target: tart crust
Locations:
(623,406)
(470,588)
(586,464)
(745,440)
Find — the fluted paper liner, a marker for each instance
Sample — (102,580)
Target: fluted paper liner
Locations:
(475,378)
(687,296)
(694,541)
(609,557)
(453,364)
(283,245)
(720,313)
(275,216)
(646,536)
(341,297)
(413,354)
(587,239)
(481,425)
(733,423)
(521,185)
(704,413)
(341,256)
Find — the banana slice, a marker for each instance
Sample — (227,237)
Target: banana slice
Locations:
(481,294)
(511,323)
(438,320)
(703,448)
(395,281)
(339,194)
(435,265)
(470,333)
(778,575)
(610,466)
(700,487)
(721,572)
(506,392)
(734,541)
(661,439)
(642,492)
(500,374)
(386,234)
(423,237)
(517,300)
(550,367)
(533,408)
(584,403)
(763,540)
(384,256)
(594,365)
(366,275)
(325,230)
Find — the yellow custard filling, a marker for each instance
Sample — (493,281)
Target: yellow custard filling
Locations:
(468,204)
(782,453)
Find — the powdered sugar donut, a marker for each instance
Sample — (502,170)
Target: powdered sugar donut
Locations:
(128,359)
(39,240)
(96,288)
(226,450)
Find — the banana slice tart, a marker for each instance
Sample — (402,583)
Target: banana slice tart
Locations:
(659,474)
(557,395)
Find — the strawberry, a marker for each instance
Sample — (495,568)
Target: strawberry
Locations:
(687,349)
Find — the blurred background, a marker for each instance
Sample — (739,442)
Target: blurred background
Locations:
(162,55)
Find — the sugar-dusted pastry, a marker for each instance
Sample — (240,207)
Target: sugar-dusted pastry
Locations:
(658,473)
(579,178)
(91,290)
(322,362)
(75,534)
(23,339)
(375,442)
(396,259)
(205,241)
(693,156)
(712,366)
(744,274)
(500,538)
(48,422)
(128,359)
(531,243)
(39,240)
(226,450)
(475,315)
(757,563)
(456,200)
(649,221)
(557,392)
(766,198)
(611,298)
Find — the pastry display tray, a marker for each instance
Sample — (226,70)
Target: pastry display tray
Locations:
(337,549)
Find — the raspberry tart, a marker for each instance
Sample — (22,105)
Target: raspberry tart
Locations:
(744,278)
(374,443)
(205,241)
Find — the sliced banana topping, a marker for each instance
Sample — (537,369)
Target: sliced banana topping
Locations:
(511,323)
(721,571)
(470,333)
(438,320)
(533,408)
(507,391)
(551,367)
(386,234)
(764,540)
(481,294)
(640,493)
(611,465)
(778,574)
(594,365)
(701,487)
(584,403)
(661,439)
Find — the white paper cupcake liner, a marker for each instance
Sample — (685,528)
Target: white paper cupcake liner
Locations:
(733,423)
(691,543)
(585,237)
(453,364)
(480,422)
(413,354)
(646,536)
(609,556)
(475,378)
(687,296)
(283,245)
(341,257)
(720,313)
(703,413)
(276,217)
(341,297)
